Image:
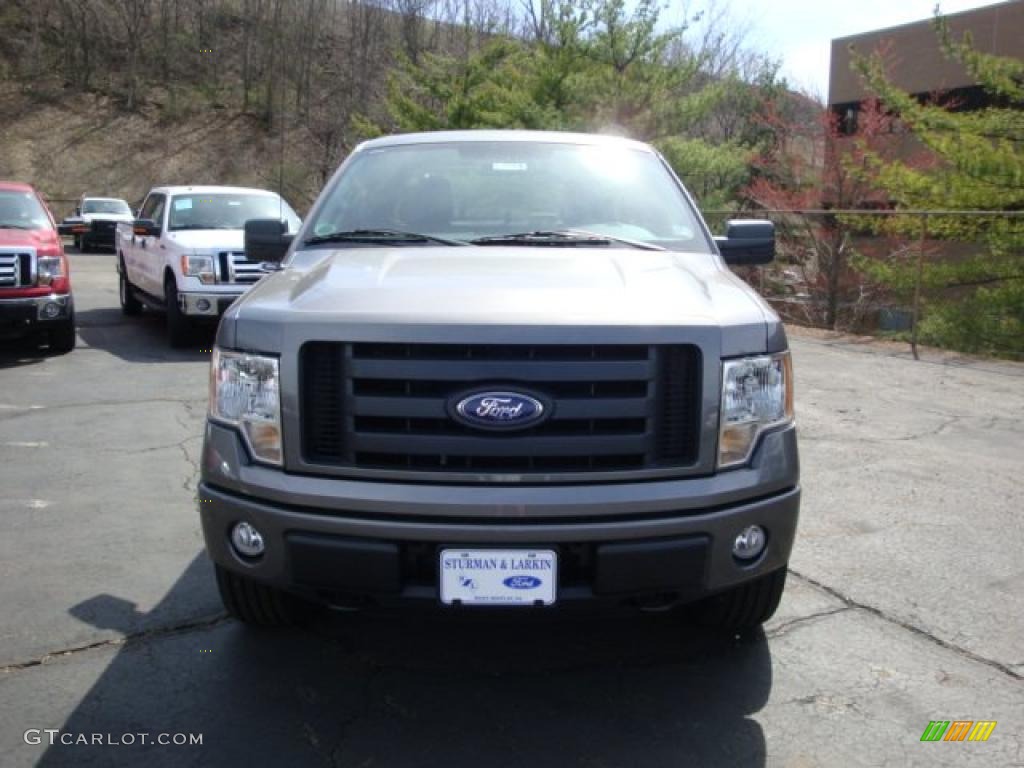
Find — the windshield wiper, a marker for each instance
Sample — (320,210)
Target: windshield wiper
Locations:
(378,236)
(15,226)
(562,237)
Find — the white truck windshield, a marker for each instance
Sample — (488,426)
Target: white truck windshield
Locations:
(227,211)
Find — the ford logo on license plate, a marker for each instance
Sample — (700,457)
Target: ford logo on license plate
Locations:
(522,582)
(498,410)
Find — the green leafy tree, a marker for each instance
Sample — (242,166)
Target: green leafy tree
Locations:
(489,88)
(973,302)
(591,65)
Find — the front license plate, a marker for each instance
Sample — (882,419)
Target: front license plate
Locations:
(498,576)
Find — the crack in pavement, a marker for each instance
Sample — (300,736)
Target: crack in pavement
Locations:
(1006,669)
(781,629)
(24,410)
(189,483)
(364,712)
(192,625)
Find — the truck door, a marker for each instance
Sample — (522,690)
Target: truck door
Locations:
(147,271)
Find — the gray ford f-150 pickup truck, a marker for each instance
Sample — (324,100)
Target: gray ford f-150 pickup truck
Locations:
(502,369)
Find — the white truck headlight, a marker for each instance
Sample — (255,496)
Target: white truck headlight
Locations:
(757,394)
(245,392)
(198,265)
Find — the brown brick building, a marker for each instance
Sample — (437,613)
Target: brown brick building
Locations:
(917,63)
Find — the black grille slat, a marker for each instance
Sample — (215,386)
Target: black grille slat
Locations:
(559,352)
(25,262)
(504,445)
(322,398)
(385,406)
(425,408)
(512,370)
(679,380)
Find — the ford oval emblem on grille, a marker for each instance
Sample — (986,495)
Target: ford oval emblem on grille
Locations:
(498,410)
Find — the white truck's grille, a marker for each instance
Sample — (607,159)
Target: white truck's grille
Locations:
(235,268)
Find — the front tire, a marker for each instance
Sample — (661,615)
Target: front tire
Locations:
(257,604)
(130,305)
(62,337)
(179,327)
(746,606)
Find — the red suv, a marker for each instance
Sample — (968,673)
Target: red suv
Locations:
(35,282)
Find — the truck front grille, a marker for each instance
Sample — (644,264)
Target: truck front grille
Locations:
(235,268)
(15,269)
(386,406)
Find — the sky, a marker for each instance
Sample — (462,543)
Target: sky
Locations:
(800,32)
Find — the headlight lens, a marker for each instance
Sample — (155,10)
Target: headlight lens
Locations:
(49,268)
(245,393)
(757,393)
(199,266)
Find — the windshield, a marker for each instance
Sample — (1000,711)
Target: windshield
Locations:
(465,191)
(224,210)
(22,210)
(105,206)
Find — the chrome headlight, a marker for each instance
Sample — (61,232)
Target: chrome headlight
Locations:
(245,393)
(49,268)
(198,265)
(757,394)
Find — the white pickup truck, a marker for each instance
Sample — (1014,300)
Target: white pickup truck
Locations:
(184,253)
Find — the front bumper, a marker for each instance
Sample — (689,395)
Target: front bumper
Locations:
(21,316)
(346,541)
(206,304)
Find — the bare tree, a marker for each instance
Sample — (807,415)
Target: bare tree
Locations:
(133,15)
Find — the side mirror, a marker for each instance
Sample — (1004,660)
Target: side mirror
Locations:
(266,240)
(146,228)
(747,242)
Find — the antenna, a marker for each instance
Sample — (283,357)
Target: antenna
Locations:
(280,162)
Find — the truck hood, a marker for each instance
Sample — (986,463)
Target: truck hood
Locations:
(36,238)
(208,239)
(506,285)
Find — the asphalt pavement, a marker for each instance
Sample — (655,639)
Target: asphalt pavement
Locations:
(905,602)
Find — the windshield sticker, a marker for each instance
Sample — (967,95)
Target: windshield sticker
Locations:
(508,166)
(182,203)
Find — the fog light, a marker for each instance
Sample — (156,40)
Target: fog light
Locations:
(749,543)
(50,310)
(203,305)
(247,540)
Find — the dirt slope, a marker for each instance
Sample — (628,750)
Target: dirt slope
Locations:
(79,144)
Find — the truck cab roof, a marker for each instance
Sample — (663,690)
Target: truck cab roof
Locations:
(207,190)
(540,137)
(16,186)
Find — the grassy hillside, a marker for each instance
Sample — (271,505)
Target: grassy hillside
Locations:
(80,145)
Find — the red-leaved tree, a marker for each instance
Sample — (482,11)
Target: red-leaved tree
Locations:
(821,161)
